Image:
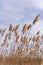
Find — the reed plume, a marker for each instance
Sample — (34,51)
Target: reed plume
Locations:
(17,38)
(24,28)
(19,51)
(38,33)
(24,39)
(29,26)
(28,40)
(8,36)
(16,28)
(33,39)
(37,38)
(10,27)
(3,32)
(36,19)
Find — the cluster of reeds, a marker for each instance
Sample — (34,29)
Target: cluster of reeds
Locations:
(23,39)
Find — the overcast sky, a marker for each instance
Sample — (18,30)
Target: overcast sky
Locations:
(20,11)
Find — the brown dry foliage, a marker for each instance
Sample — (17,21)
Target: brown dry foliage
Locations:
(15,60)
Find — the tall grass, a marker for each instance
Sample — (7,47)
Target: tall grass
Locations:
(27,55)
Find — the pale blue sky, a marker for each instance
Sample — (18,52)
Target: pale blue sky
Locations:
(20,11)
